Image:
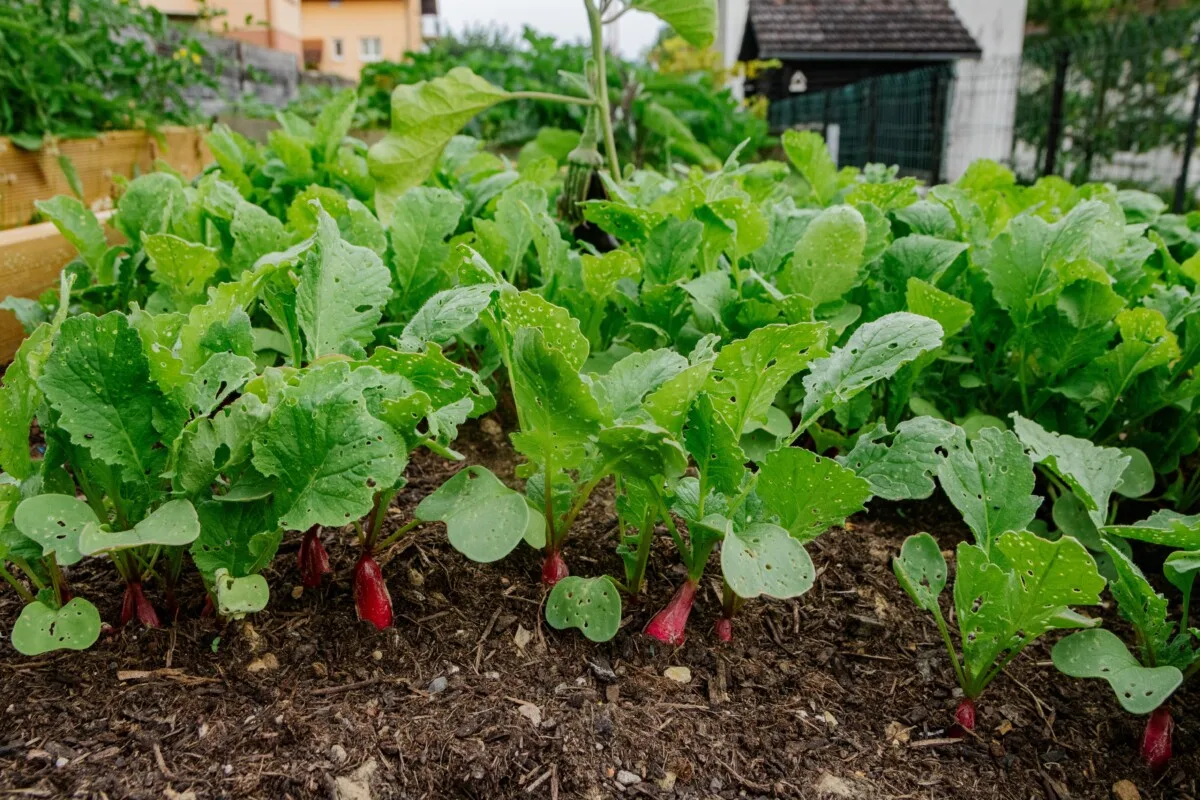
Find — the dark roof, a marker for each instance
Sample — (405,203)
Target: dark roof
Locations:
(832,29)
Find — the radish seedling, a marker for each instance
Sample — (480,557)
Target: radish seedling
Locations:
(1167,651)
(1011,586)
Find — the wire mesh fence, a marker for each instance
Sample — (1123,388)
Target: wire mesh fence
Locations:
(1118,102)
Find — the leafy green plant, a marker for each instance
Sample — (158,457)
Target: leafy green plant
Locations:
(1011,586)
(64,72)
(1167,651)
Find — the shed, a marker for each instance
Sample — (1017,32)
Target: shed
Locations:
(874,75)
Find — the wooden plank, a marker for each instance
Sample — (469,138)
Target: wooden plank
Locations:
(27,176)
(31,258)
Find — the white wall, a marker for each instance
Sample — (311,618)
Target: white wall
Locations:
(985,91)
(731,16)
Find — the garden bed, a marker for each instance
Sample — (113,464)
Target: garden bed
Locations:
(31,175)
(842,693)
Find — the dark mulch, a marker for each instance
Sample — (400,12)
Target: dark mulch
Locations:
(843,693)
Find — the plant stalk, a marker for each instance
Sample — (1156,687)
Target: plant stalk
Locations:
(551,97)
(16,584)
(610,142)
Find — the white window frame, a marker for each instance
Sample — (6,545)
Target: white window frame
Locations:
(364,52)
(337,48)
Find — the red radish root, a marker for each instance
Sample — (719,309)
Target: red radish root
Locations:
(1156,741)
(668,625)
(312,560)
(964,718)
(554,568)
(136,605)
(724,628)
(371,598)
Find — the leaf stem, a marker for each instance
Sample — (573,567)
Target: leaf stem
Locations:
(395,537)
(551,97)
(580,502)
(945,631)
(685,552)
(645,538)
(610,143)
(13,582)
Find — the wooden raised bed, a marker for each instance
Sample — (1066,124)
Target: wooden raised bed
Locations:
(31,256)
(27,176)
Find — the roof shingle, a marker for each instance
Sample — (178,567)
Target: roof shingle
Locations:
(791,27)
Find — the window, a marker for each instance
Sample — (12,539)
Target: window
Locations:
(370,48)
(339,49)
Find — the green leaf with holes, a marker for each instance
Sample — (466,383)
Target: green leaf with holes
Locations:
(559,415)
(712,443)
(764,559)
(873,353)
(237,597)
(641,452)
(991,484)
(42,629)
(620,391)
(484,518)
(1101,654)
(240,538)
(341,294)
(825,265)
(900,465)
(216,381)
(809,494)
(55,521)
(1164,527)
(328,454)
(593,605)
(98,380)
(560,330)
(748,373)
(183,268)
(174,524)
(1092,472)
(921,570)
(1025,590)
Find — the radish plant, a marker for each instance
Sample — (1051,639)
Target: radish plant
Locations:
(761,520)
(1167,652)
(575,429)
(1011,585)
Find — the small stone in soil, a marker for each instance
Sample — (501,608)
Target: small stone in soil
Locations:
(602,669)
(1126,790)
(438,685)
(338,754)
(678,674)
(627,778)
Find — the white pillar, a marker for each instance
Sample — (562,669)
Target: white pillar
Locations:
(983,107)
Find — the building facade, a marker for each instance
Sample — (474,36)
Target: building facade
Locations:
(334,36)
(342,36)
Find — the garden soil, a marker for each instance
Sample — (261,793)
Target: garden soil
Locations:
(844,693)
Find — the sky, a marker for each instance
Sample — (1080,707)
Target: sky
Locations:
(566,19)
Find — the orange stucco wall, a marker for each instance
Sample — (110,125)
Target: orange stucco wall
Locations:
(397,23)
(269,23)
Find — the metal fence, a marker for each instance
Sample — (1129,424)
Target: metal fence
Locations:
(893,119)
(1119,103)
